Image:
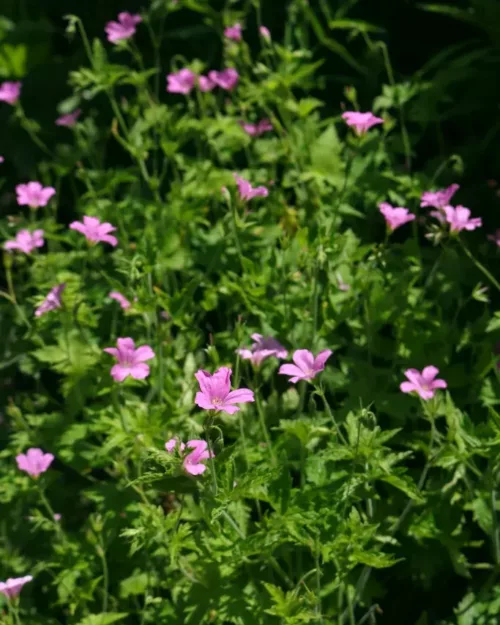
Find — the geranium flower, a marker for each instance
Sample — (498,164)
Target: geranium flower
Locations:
(130,360)
(10,92)
(459,218)
(13,586)
(261,349)
(424,384)
(121,299)
(34,462)
(216,394)
(495,237)
(306,366)
(227,79)
(26,241)
(95,231)
(233,32)
(124,28)
(69,119)
(181,82)
(395,217)
(256,130)
(193,461)
(438,199)
(33,194)
(205,84)
(52,301)
(2,159)
(247,192)
(265,32)
(361,122)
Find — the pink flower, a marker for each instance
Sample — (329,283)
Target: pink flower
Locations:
(130,360)
(306,366)
(33,194)
(121,299)
(95,231)
(216,394)
(265,32)
(227,79)
(233,32)
(57,517)
(124,28)
(205,84)
(343,286)
(69,119)
(26,241)
(181,82)
(438,199)
(255,130)
(361,122)
(261,349)
(395,217)
(423,383)
(10,92)
(34,462)
(2,159)
(13,586)
(458,218)
(193,461)
(247,192)
(495,237)
(52,301)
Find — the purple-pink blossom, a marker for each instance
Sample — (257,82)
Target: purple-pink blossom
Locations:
(459,218)
(181,82)
(438,199)
(10,92)
(361,122)
(33,194)
(423,383)
(256,130)
(215,392)
(246,191)
(234,32)
(131,361)
(26,241)
(121,299)
(69,120)
(205,84)
(13,586)
(34,462)
(262,348)
(495,237)
(395,216)
(265,32)
(124,28)
(227,79)
(2,159)
(193,462)
(306,366)
(52,301)
(95,231)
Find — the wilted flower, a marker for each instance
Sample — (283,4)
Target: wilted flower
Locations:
(255,130)
(52,301)
(13,586)
(361,122)
(216,394)
(130,360)
(124,28)
(34,461)
(227,79)
(33,194)
(205,84)
(262,348)
(10,92)
(26,241)
(121,299)
(181,82)
(265,32)
(395,217)
(495,237)
(459,219)
(233,32)
(95,231)
(306,366)
(193,461)
(69,119)
(438,199)
(247,192)
(424,384)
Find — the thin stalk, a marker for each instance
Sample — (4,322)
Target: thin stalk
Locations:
(329,412)
(101,552)
(211,459)
(481,267)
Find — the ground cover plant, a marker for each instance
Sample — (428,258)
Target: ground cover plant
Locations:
(249,356)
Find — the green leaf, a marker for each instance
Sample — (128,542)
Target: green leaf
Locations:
(103,619)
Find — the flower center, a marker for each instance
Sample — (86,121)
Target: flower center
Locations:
(216,401)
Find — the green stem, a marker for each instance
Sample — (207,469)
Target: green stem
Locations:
(211,459)
(329,412)
(481,267)
(105,572)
